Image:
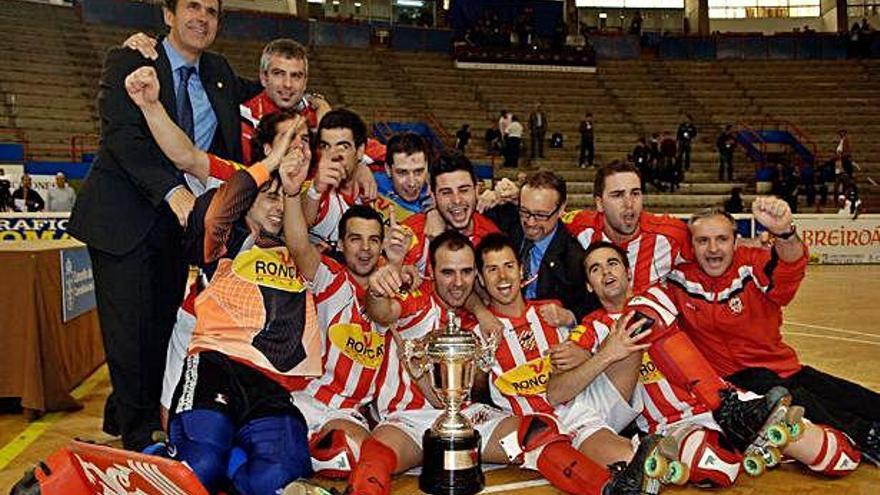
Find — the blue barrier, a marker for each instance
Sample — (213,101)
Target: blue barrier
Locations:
(406,38)
(334,34)
(786,46)
(616,47)
(11,152)
(73,170)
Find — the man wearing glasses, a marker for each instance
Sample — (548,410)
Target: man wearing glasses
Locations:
(551,258)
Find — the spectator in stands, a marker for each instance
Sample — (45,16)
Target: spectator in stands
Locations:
(5,193)
(550,257)
(734,203)
(635,26)
(670,171)
(513,142)
(62,197)
(843,165)
(808,182)
(849,202)
(726,144)
(537,131)
(493,139)
(686,134)
(504,121)
(865,27)
(641,158)
(588,148)
(26,199)
(826,176)
(132,205)
(463,137)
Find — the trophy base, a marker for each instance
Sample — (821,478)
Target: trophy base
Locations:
(451,466)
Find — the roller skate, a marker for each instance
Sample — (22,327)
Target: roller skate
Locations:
(785,426)
(305,487)
(632,478)
(665,463)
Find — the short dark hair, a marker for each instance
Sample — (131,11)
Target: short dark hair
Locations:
(545,179)
(343,118)
(452,240)
(361,211)
(605,244)
(266,132)
(492,243)
(172,5)
(449,161)
(609,169)
(408,143)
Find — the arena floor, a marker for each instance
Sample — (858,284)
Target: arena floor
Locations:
(833,323)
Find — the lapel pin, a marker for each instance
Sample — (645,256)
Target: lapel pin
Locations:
(552,264)
(219,85)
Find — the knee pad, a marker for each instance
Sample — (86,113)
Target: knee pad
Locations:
(202,439)
(710,464)
(534,433)
(838,455)
(276,452)
(334,453)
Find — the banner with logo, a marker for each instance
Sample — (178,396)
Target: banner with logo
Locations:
(77,283)
(841,240)
(33,226)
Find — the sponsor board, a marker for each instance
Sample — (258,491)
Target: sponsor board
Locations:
(33,226)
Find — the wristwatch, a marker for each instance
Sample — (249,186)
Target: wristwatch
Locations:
(788,234)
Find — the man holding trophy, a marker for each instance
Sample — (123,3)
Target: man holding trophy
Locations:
(431,351)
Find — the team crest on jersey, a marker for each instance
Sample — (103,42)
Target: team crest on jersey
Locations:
(272,267)
(568,216)
(526,337)
(527,379)
(365,348)
(736,305)
(648,372)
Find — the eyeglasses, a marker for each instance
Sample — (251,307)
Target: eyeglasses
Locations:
(541,217)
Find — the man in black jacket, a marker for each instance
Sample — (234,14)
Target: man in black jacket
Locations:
(550,257)
(133,204)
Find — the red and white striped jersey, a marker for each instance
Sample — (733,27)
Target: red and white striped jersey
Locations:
(352,348)
(330,210)
(418,250)
(663,242)
(521,369)
(665,402)
(421,313)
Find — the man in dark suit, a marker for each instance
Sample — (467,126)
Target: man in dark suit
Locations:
(551,258)
(134,202)
(538,129)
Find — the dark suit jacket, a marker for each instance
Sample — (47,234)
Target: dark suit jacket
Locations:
(124,193)
(561,275)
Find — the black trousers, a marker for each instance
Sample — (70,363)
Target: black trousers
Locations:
(726,162)
(684,155)
(826,399)
(138,295)
(512,147)
(538,144)
(588,152)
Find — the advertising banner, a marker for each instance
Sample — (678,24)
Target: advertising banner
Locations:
(77,283)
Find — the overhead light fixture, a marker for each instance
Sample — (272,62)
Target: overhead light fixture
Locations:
(335,2)
(410,3)
(358,4)
(317,1)
(603,15)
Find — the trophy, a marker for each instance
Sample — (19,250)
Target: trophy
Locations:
(451,447)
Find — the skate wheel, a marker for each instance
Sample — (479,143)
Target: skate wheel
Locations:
(772,457)
(795,430)
(753,465)
(677,473)
(656,466)
(777,435)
